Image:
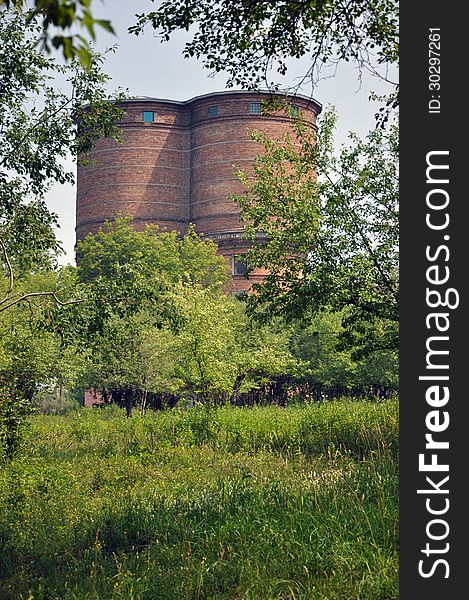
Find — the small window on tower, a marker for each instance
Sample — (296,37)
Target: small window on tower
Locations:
(213,111)
(255,108)
(149,116)
(239,265)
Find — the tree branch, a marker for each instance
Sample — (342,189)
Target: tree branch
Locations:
(42,118)
(10,270)
(53,295)
(366,242)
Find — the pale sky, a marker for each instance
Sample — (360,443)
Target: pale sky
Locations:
(146,67)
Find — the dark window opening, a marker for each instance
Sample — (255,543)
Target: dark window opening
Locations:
(255,108)
(148,116)
(239,265)
(213,111)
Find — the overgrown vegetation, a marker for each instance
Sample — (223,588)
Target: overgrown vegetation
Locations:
(221,503)
(330,227)
(152,326)
(39,127)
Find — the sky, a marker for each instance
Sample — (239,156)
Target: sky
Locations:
(146,67)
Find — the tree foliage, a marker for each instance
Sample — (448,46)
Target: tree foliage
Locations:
(332,242)
(213,355)
(62,16)
(326,364)
(122,272)
(155,319)
(120,253)
(249,40)
(219,352)
(32,361)
(253,42)
(124,282)
(245,39)
(39,128)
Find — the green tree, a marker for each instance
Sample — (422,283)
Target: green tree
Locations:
(126,280)
(211,355)
(315,343)
(119,252)
(115,361)
(122,271)
(326,366)
(247,40)
(332,242)
(217,352)
(32,360)
(39,127)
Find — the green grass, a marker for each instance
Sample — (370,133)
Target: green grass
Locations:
(231,503)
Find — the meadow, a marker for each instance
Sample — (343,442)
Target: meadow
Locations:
(208,503)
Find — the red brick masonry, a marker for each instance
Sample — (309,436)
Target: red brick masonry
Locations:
(180,169)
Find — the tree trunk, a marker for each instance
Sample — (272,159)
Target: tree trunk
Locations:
(143,403)
(236,388)
(128,403)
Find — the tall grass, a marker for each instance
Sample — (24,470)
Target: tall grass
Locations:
(262,503)
(356,427)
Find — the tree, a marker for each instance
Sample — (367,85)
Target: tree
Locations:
(122,271)
(216,353)
(314,342)
(118,252)
(332,242)
(326,367)
(155,320)
(125,279)
(249,40)
(62,16)
(39,127)
(115,367)
(220,353)
(32,360)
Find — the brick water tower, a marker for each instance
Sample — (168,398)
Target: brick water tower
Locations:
(177,166)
